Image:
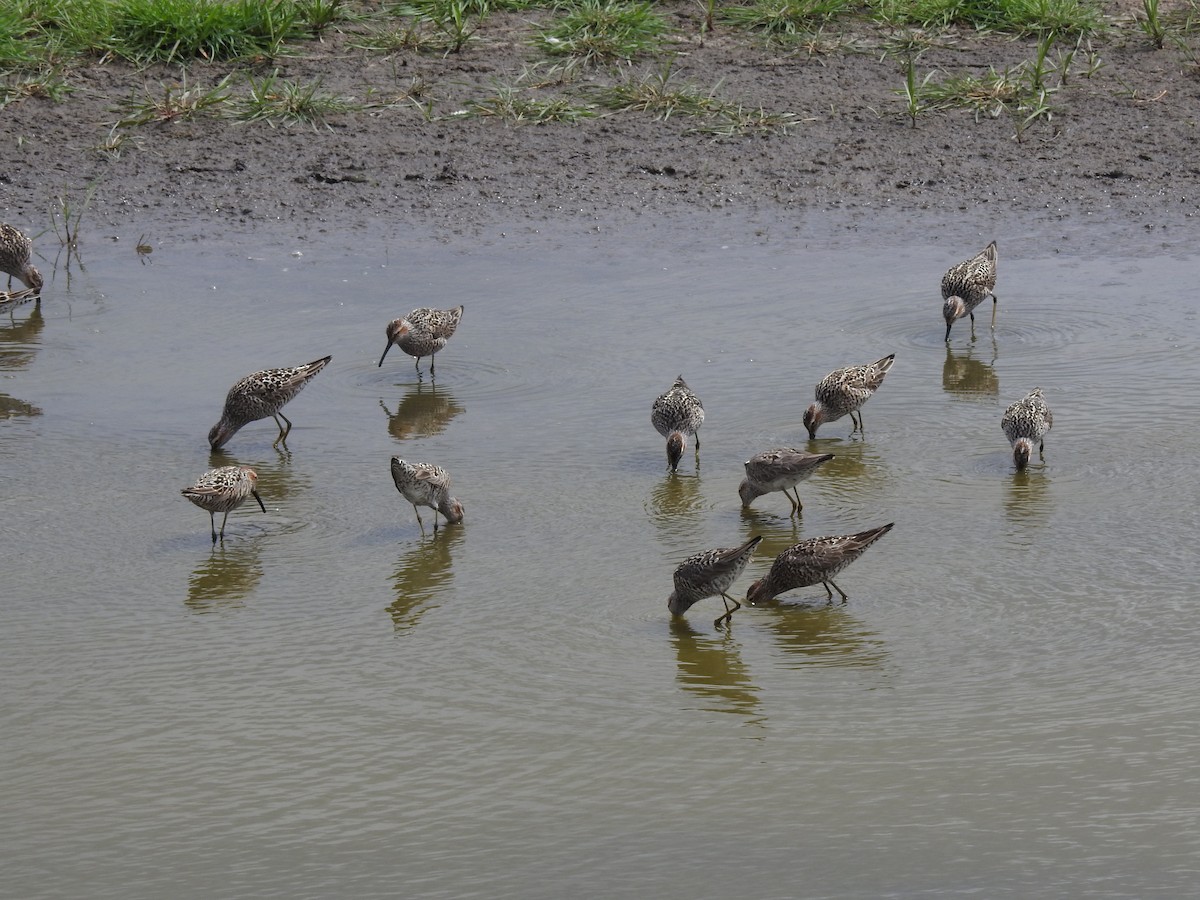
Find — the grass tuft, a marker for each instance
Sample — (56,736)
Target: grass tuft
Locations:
(600,32)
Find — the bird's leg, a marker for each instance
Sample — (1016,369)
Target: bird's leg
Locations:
(212,523)
(726,599)
(432,363)
(697,434)
(797,506)
(995,302)
(435,521)
(838,589)
(419,522)
(224,519)
(972,326)
(1042,450)
(283,432)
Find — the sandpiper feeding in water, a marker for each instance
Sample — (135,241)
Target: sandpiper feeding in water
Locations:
(675,415)
(223,490)
(260,395)
(423,332)
(967,285)
(423,484)
(814,561)
(708,574)
(778,470)
(843,391)
(15,252)
(1026,422)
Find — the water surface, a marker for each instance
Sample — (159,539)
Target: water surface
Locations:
(332,703)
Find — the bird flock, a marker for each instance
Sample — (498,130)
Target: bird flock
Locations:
(677,415)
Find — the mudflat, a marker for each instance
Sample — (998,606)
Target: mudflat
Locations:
(437,139)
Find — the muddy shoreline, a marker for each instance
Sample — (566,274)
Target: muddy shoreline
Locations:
(1120,145)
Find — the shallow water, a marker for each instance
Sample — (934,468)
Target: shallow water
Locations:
(331,703)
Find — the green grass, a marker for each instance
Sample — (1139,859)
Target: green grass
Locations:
(513,106)
(661,95)
(281,102)
(603,31)
(784,17)
(175,102)
(1015,16)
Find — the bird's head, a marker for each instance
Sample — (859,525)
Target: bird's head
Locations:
(813,417)
(1022,451)
(675,445)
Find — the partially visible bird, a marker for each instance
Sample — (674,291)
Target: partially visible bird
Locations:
(423,332)
(260,395)
(675,415)
(814,561)
(423,484)
(15,252)
(223,490)
(708,574)
(1025,422)
(843,391)
(778,470)
(967,285)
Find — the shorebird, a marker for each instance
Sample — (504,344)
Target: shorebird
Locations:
(223,490)
(708,574)
(967,285)
(814,561)
(15,251)
(675,415)
(423,484)
(843,391)
(423,332)
(1025,422)
(260,395)
(778,470)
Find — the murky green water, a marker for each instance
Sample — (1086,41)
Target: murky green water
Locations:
(331,704)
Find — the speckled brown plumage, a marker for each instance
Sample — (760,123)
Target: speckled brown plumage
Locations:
(843,391)
(16,251)
(424,484)
(779,470)
(814,561)
(1025,423)
(423,332)
(675,415)
(260,395)
(223,490)
(968,284)
(708,574)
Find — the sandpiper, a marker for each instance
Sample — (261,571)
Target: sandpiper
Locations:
(967,285)
(15,252)
(423,484)
(675,415)
(260,395)
(1025,422)
(814,561)
(423,332)
(843,391)
(222,490)
(708,574)
(778,470)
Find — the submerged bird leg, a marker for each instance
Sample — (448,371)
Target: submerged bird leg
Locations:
(799,505)
(419,522)
(212,523)
(283,432)
(224,519)
(435,512)
(432,363)
(726,599)
(995,303)
(836,588)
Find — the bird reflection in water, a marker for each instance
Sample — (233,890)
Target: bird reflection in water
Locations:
(19,338)
(965,376)
(424,572)
(677,509)
(424,410)
(225,579)
(1027,497)
(711,668)
(817,634)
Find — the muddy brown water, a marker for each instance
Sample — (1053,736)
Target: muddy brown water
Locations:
(332,704)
